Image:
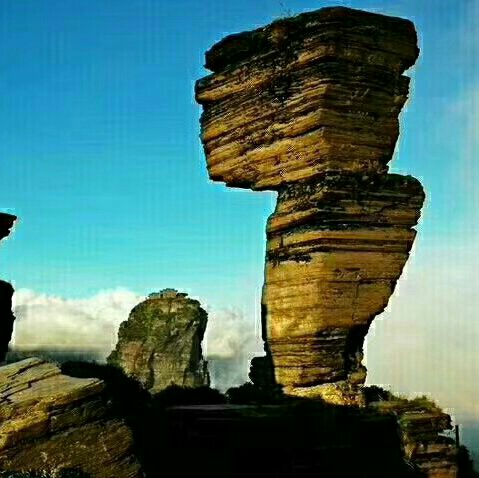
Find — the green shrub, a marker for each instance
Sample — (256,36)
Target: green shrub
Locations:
(249,393)
(175,395)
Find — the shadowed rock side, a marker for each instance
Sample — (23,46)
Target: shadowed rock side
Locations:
(286,441)
(50,421)
(6,317)
(160,343)
(308,106)
(6,292)
(6,223)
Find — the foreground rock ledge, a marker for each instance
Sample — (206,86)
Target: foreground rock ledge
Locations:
(304,438)
(50,421)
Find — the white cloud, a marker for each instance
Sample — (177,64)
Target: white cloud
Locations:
(426,341)
(45,321)
(92,323)
(230,334)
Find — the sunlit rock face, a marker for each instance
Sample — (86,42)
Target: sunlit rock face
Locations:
(308,106)
(422,426)
(335,251)
(50,421)
(318,92)
(160,343)
(6,292)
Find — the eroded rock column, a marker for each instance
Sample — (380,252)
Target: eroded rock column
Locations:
(308,107)
(335,251)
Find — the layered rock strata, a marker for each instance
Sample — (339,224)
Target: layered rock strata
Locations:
(421,430)
(308,106)
(6,293)
(160,343)
(335,251)
(50,422)
(318,92)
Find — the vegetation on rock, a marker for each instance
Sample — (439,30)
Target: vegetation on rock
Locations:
(160,343)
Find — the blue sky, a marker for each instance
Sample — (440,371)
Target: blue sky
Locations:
(101,161)
(100,152)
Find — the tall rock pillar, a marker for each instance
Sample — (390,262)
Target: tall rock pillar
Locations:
(308,107)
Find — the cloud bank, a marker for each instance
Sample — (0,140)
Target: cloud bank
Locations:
(45,321)
(91,325)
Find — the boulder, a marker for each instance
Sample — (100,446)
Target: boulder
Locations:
(50,421)
(317,92)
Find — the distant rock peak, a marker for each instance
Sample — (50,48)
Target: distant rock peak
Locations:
(160,343)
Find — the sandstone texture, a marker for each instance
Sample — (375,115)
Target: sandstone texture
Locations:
(6,292)
(335,251)
(50,421)
(308,107)
(318,92)
(420,429)
(160,343)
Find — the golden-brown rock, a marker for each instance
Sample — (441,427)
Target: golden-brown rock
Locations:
(50,421)
(309,106)
(421,425)
(318,92)
(335,251)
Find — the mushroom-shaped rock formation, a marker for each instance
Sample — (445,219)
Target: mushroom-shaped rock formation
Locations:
(6,293)
(308,106)
(50,421)
(160,343)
